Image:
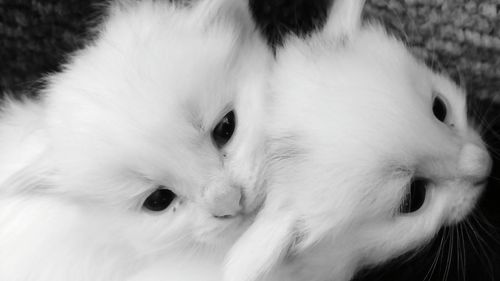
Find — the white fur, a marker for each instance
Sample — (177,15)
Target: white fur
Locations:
(21,139)
(132,111)
(351,125)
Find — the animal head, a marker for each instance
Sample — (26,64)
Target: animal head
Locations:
(370,154)
(156,119)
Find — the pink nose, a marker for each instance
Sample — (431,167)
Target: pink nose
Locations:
(475,163)
(222,199)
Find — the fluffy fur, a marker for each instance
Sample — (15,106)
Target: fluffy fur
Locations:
(22,139)
(133,111)
(351,125)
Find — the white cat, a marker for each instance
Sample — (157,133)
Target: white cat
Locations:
(370,153)
(143,148)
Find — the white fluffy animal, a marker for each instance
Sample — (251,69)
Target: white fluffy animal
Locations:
(142,149)
(370,153)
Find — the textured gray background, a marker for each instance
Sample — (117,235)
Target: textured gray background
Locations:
(461,36)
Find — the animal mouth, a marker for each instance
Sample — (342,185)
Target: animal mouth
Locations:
(415,196)
(481,182)
(224,217)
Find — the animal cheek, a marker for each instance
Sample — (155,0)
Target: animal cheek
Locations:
(209,230)
(462,200)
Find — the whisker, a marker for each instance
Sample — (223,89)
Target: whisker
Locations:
(462,250)
(489,132)
(456,244)
(480,115)
(468,227)
(482,249)
(481,241)
(494,177)
(437,256)
(448,259)
(483,222)
(489,123)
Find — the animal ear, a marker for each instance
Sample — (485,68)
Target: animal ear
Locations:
(344,18)
(234,13)
(263,246)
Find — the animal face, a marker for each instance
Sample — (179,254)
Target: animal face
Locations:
(370,154)
(156,118)
(385,131)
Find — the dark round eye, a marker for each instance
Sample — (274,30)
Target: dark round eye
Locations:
(415,196)
(159,200)
(224,130)
(439,109)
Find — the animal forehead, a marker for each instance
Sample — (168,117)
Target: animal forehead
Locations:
(148,21)
(168,70)
(358,80)
(371,44)
(180,50)
(395,68)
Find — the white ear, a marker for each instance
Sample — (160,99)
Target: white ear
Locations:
(235,13)
(344,18)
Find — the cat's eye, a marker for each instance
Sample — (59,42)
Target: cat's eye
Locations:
(439,109)
(224,130)
(414,197)
(159,200)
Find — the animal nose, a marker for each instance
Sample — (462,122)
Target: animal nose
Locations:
(475,163)
(223,200)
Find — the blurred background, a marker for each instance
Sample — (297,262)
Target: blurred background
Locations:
(458,37)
